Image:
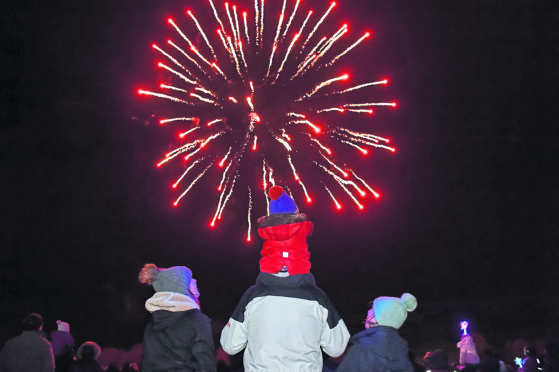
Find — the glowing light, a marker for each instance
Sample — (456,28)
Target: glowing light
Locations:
(202,33)
(182,76)
(250,96)
(193,119)
(171,98)
(191,185)
(246,26)
(365,36)
(375,194)
(275,44)
(332,5)
(321,145)
(184,134)
(254,118)
(165,86)
(315,127)
(224,158)
(210,123)
(249,222)
(336,203)
(291,18)
(249,101)
(322,85)
(464,327)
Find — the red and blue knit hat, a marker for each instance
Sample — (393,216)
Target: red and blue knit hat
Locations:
(281,202)
(281,209)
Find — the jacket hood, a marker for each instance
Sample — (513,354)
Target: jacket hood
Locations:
(295,281)
(283,232)
(281,219)
(171,301)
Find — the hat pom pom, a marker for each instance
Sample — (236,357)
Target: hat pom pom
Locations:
(148,274)
(409,301)
(275,192)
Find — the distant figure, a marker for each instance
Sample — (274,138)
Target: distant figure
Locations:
(530,361)
(30,351)
(86,358)
(379,348)
(62,347)
(436,361)
(130,367)
(468,352)
(113,367)
(551,356)
(490,363)
(416,366)
(284,322)
(179,336)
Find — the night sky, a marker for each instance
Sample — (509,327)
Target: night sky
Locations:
(467,221)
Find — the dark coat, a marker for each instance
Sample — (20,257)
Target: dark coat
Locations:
(29,351)
(179,342)
(81,365)
(377,349)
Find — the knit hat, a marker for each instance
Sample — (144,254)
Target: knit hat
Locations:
(281,202)
(177,279)
(393,311)
(88,350)
(63,326)
(282,209)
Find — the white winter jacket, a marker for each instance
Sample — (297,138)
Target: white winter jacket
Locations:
(283,322)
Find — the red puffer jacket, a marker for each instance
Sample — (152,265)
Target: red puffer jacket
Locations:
(286,245)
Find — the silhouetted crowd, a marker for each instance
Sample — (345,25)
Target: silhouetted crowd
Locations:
(284,322)
(33,350)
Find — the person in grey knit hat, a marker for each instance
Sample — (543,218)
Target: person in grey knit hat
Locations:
(379,347)
(179,336)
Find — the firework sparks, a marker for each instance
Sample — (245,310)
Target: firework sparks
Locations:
(270,95)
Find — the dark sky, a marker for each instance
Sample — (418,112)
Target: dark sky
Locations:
(468,217)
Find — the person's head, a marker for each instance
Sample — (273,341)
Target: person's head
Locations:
(176,279)
(113,367)
(88,351)
(129,367)
(436,360)
(390,311)
(530,351)
(33,322)
(277,256)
